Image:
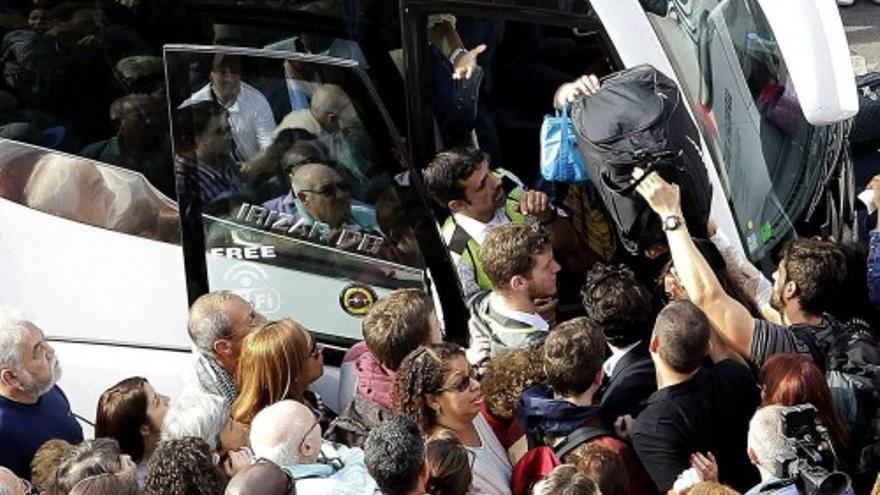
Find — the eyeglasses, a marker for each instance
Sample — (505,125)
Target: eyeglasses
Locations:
(463,385)
(303,441)
(329,190)
(27,488)
(315,348)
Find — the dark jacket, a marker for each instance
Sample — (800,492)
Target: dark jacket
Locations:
(354,424)
(629,386)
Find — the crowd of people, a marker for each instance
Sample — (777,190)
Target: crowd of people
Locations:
(689,390)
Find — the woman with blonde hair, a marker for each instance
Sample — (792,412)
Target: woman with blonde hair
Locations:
(279,360)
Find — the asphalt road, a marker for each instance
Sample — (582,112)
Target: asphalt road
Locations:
(862,24)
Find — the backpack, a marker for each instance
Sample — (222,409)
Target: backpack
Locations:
(849,354)
(542,457)
(639,119)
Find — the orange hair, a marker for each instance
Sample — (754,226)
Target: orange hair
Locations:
(271,367)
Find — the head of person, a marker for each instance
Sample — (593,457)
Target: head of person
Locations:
(460,181)
(711,488)
(140,120)
(90,458)
(207,417)
(680,339)
(203,127)
(279,360)
(394,453)
(322,191)
(332,108)
(792,379)
(449,464)
(218,322)
(226,77)
(518,260)
(184,465)
(566,479)
(263,477)
(124,483)
(72,189)
(620,305)
(143,74)
(507,376)
(435,386)
(573,356)
(395,224)
(286,433)
(28,366)
(10,484)
(44,465)
(766,439)
(809,276)
(131,412)
(398,324)
(602,465)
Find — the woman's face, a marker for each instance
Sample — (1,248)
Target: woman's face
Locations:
(460,397)
(233,436)
(157,407)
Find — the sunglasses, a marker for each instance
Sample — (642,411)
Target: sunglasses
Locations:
(330,190)
(463,385)
(315,348)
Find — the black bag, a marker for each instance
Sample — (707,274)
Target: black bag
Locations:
(866,125)
(638,119)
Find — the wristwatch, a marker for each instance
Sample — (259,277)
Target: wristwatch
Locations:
(672,222)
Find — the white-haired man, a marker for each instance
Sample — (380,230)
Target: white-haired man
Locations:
(288,434)
(32,407)
(218,322)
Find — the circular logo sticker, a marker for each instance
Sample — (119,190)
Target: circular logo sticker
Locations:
(356,299)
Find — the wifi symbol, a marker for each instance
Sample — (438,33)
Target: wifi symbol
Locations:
(245,274)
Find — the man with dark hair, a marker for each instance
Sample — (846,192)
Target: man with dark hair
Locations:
(518,261)
(695,409)
(395,456)
(549,413)
(479,200)
(623,309)
(807,279)
(263,477)
(395,326)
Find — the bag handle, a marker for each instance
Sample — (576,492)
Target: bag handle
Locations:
(654,160)
(578,437)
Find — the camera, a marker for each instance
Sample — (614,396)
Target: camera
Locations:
(809,458)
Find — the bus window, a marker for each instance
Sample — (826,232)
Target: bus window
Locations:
(302,215)
(769,158)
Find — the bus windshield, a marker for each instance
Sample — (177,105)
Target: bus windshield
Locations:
(769,159)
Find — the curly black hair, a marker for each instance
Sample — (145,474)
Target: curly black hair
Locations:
(394,454)
(422,372)
(508,376)
(442,174)
(618,303)
(184,466)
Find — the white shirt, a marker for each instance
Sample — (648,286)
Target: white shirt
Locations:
(533,319)
(616,355)
(492,469)
(250,118)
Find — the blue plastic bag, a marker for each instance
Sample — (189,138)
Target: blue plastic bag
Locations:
(560,159)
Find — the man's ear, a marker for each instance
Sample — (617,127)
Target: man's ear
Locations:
(519,283)
(753,457)
(789,290)
(654,345)
(456,205)
(600,375)
(222,347)
(7,377)
(145,430)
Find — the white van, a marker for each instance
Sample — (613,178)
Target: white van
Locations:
(107,264)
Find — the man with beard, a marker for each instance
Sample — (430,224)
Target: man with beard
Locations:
(32,408)
(806,282)
(479,200)
(518,260)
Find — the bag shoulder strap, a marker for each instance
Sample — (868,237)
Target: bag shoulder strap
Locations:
(580,436)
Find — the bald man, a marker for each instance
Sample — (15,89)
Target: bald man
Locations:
(10,483)
(330,110)
(288,434)
(320,194)
(264,478)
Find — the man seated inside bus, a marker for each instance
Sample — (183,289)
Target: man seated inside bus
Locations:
(318,193)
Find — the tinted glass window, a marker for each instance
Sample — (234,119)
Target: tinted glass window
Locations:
(291,172)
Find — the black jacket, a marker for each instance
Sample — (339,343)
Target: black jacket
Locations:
(632,382)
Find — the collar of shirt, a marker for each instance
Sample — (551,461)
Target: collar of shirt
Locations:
(616,356)
(477,229)
(533,319)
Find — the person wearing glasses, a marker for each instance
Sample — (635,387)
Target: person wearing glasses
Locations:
(435,387)
(13,485)
(279,360)
(318,193)
(288,434)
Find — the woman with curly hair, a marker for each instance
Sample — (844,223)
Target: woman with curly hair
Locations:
(184,466)
(436,388)
(279,360)
(506,378)
(131,412)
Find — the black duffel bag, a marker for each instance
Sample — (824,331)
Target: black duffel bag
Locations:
(638,119)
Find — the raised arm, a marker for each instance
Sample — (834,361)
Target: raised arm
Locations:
(732,321)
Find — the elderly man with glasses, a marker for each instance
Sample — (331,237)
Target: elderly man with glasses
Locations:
(288,434)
